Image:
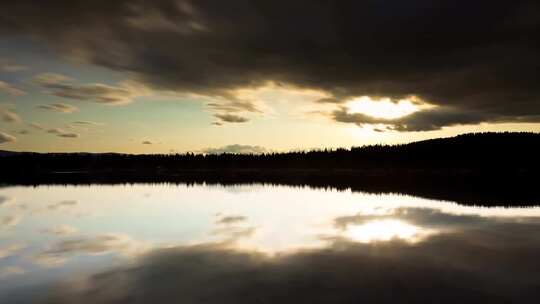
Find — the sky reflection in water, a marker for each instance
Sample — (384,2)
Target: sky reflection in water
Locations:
(259,244)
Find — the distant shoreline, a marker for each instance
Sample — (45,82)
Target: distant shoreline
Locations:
(484,168)
(486,188)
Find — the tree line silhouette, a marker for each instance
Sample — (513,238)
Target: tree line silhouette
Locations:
(476,168)
(475,151)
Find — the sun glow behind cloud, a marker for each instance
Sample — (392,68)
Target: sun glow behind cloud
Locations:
(382,108)
(384,230)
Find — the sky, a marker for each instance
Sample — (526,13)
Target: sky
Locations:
(256,76)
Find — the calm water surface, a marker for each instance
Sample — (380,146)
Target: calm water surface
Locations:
(260,244)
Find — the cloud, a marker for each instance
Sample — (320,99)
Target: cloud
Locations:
(9,221)
(63,230)
(236,149)
(62,133)
(11,67)
(10,271)
(231,118)
(232,234)
(69,135)
(36,126)
(9,115)
(59,107)
(65,87)
(466,265)
(229,110)
(147,142)
(231,219)
(6,200)
(10,89)
(230,229)
(427,120)
(62,205)
(7,138)
(9,250)
(423,217)
(485,63)
(61,251)
(234,105)
(86,123)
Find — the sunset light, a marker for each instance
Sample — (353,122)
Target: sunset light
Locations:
(383,230)
(381,108)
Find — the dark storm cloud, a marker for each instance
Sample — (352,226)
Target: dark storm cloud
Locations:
(480,57)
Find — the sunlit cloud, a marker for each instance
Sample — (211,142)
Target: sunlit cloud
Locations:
(10,89)
(59,252)
(59,107)
(9,221)
(429,118)
(6,201)
(63,133)
(9,116)
(11,271)
(231,234)
(9,250)
(7,138)
(381,108)
(236,149)
(87,123)
(384,230)
(10,67)
(62,205)
(63,86)
(63,230)
(37,126)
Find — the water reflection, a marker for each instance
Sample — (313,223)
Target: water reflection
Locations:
(262,244)
(384,230)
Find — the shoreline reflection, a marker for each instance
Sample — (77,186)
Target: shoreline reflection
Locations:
(263,244)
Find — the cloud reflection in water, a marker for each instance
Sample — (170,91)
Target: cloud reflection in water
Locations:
(266,247)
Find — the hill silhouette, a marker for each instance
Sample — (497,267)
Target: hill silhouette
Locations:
(491,167)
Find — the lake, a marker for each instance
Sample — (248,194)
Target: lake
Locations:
(167,243)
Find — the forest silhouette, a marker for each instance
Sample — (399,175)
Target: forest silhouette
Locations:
(491,168)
